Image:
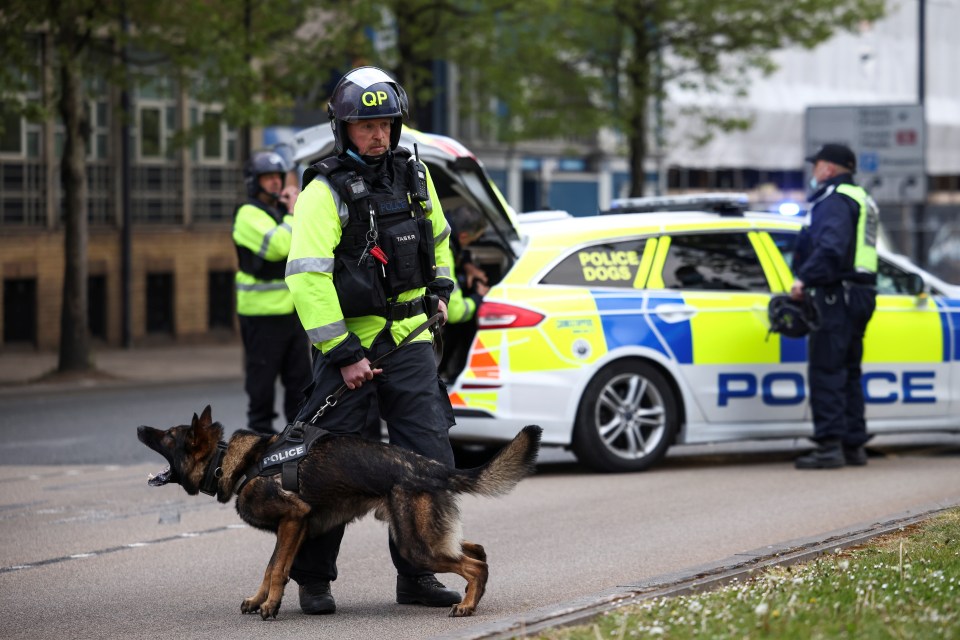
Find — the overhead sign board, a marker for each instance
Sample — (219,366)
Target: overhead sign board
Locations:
(889,141)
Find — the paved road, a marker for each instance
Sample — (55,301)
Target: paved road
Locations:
(91,551)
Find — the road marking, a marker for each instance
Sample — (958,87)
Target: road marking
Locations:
(123,547)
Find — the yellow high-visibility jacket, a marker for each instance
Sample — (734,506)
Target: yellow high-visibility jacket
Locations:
(262,247)
(321,215)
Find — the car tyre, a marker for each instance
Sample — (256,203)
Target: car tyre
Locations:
(627,419)
(470,455)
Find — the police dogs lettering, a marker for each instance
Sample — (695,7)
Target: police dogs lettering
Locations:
(342,478)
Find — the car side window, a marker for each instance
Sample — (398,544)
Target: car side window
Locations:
(786,243)
(610,264)
(713,262)
(892,280)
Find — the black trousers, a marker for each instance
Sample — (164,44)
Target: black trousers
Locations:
(411,398)
(274,346)
(834,373)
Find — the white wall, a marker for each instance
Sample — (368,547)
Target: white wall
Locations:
(876,66)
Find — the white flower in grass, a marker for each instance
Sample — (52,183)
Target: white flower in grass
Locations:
(762,609)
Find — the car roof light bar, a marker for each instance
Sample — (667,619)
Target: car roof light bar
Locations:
(725,204)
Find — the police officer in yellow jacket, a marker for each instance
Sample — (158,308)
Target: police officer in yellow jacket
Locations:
(835,264)
(370,248)
(273,339)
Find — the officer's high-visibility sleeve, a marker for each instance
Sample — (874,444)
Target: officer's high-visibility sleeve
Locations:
(309,275)
(461,306)
(443,255)
(256,230)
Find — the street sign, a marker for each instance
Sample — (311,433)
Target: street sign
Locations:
(889,141)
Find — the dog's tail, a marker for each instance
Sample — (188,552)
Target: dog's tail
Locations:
(509,466)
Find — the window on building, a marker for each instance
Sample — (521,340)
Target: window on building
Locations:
(160,303)
(212,136)
(20,310)
(217,142)
(220,293)
(151,139)
(97,306)
(98,147)
(11,131)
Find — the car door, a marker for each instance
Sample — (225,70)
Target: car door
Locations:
(738,372)
(906,351)
(908,348)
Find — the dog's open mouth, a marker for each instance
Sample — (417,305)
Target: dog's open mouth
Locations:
(160,479)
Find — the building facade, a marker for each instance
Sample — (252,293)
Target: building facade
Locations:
(182,201)
(179,285)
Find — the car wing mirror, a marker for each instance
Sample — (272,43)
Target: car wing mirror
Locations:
(915,285)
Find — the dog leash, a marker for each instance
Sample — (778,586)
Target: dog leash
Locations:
(333,398)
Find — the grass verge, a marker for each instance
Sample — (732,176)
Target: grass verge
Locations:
(902,585)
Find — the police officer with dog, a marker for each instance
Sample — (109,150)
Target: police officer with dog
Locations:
(369,264)
(835,267)
(274,342)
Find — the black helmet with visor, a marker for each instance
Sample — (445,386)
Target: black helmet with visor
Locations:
(261,163)
(366,93)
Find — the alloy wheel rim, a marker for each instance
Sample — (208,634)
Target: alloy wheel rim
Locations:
(630,416)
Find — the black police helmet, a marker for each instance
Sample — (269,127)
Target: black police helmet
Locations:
(366,93)
(792,318)
(260,163)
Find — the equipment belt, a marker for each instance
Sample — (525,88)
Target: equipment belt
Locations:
(404,310)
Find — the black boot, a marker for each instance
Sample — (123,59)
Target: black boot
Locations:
(425,590)
(855,456)
(316,599)
(827,455)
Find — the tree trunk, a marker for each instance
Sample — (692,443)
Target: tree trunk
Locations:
(74,336)
(638,149)
(639,88)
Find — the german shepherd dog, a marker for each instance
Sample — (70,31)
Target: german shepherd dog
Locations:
(341,479)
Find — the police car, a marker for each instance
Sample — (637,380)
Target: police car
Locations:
(622,335)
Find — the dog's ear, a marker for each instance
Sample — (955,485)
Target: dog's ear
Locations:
(204,436)
(206,418)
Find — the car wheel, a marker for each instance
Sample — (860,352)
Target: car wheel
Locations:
(627,418)
(469,455)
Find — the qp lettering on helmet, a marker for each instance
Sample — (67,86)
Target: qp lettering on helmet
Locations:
(373,98)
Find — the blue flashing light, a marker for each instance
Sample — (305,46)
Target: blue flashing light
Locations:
(789,209)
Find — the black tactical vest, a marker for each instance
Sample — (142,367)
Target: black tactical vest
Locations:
(381,215)
(250,262)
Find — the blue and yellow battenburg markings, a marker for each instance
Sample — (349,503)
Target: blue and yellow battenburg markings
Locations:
(950,321)
(632,320)
(643,328)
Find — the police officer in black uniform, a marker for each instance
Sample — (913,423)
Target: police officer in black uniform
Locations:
(835,264)
(370,261)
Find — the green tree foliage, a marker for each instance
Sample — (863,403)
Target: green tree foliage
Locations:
(237,54)
(700,45)
(562,68)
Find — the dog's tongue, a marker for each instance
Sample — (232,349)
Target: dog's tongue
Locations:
(160,479)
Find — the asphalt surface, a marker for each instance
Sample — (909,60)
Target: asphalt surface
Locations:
(31,371)
(25,377)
